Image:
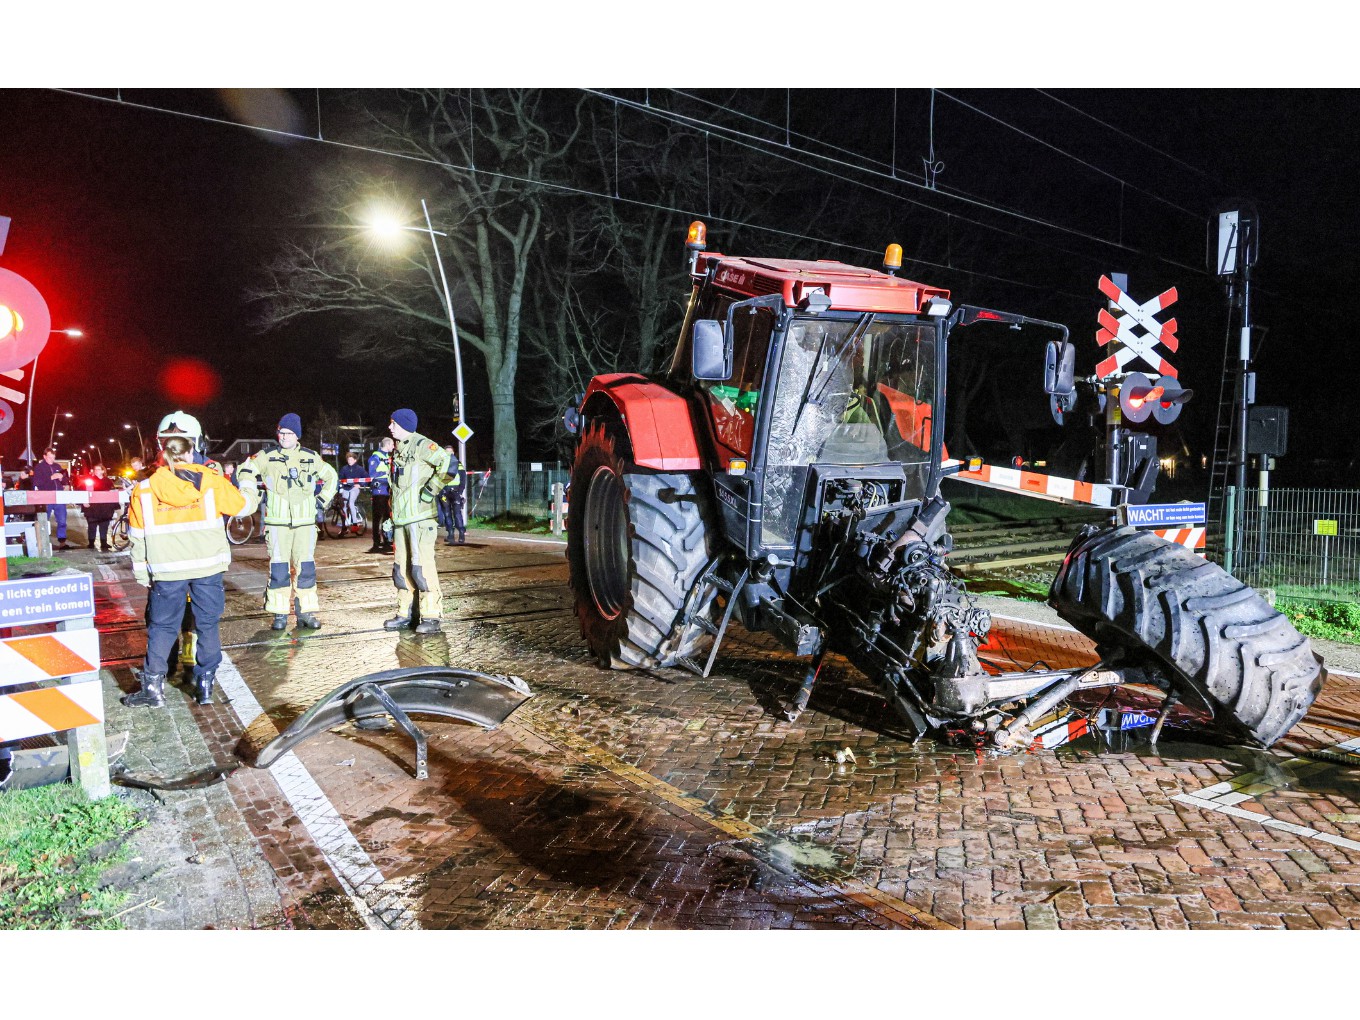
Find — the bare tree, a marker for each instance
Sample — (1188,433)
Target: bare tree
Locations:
(487,162)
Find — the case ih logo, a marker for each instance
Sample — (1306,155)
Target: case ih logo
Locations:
(734,277)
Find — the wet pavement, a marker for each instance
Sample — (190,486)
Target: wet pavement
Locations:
(661,800)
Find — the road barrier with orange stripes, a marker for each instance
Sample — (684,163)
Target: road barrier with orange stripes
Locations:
(57,673)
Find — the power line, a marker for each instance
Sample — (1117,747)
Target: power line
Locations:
(760,144)
(564,188)
(1064,152)
(1133,138)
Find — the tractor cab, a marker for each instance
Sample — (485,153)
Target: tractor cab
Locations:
(806,372)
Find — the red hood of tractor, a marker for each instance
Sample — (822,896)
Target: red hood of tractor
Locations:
(851,288)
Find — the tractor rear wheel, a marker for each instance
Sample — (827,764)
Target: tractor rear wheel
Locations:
(1217,638)
(636,545)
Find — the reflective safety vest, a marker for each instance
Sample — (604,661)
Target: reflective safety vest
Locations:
(291,476)
(175,523)
(422,468)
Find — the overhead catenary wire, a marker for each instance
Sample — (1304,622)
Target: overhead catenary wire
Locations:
(755,142)
(1133,138)
(555,186)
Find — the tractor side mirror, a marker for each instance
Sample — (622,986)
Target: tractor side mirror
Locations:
(712,358)
(1060,368)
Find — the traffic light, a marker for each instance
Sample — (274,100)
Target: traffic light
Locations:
(1140,398)
(24,321)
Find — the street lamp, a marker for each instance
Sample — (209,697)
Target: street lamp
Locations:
(74,334)
(386,225)
(141,443)
(58,413)
(122,453)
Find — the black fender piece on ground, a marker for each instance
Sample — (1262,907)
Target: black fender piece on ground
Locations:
(1218,637)
(637,544)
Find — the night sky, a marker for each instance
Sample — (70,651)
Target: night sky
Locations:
(143,229)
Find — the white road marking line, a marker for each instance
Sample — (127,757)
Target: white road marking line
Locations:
(1265,820)
(1034,623)
(358,875)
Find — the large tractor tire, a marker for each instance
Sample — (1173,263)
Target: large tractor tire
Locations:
(636,545)
(1220,642)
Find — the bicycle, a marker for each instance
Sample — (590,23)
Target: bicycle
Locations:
(337,522)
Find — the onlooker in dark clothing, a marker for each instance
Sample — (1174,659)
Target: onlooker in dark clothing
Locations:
(98,515)
(140,472)
(49,476)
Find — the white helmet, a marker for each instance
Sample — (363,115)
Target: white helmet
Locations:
(177,423)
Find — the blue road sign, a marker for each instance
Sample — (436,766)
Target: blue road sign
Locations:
(1166,515)
(46,599)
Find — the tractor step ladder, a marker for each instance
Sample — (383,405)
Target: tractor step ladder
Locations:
(708,586)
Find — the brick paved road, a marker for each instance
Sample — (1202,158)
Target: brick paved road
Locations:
(663,800)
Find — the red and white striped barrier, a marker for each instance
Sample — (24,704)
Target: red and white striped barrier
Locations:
(1191,538)
(1033,483)
(65,497)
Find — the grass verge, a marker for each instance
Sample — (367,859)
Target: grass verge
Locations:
(35,566)
(55,845)
(1331,621)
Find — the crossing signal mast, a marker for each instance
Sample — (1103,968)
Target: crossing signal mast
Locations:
(1130,331)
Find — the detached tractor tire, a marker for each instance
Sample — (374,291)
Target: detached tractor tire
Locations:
(637,544)
(1220,642)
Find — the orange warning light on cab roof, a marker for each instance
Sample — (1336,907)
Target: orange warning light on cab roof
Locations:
(697,237)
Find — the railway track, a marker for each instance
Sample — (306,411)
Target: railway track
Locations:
(983,547)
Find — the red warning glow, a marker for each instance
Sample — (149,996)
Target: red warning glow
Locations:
(189,381)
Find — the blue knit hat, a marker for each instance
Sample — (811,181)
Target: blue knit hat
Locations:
(292,423)
(406,418)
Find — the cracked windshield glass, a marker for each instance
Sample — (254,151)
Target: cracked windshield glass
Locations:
(850,391)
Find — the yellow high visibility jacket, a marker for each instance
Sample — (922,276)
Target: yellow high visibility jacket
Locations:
(290,476)
(175,523)
(422,468)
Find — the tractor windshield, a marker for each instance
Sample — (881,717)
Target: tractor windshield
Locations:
(849,391)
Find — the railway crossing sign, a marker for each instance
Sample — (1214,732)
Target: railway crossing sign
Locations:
(1124,329)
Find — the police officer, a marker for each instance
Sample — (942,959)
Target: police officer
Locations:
(420,469)
(453,503)
(290,473)
(380,470)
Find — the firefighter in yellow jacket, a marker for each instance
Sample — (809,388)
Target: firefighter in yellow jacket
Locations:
(420,469)
(179,548)
(290,473)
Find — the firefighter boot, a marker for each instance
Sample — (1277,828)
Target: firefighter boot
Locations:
(397,623)
(203,687)
(152,694)
(308,620)
(280,622)
(428,627)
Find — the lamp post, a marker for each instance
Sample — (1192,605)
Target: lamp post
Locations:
(122,453)
(58,413)
(387,225)
(74,334)
(141,443)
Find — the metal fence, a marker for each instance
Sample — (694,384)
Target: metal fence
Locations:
(1306,541)
(527,491)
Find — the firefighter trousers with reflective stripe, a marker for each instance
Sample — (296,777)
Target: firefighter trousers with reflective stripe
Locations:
(292,569)
(414,571)
(165,616)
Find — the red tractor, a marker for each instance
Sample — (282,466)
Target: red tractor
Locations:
(785,470)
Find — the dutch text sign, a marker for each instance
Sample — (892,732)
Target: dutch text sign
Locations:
(46,599)
(1166,515)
